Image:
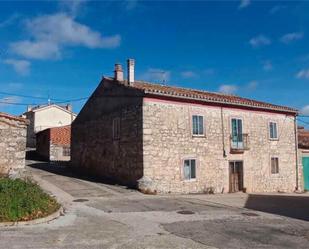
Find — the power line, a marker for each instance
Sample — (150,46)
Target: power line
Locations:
(27,96)
(13,103)
(71,100)
(304,122)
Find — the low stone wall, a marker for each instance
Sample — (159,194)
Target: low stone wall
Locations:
(12,145)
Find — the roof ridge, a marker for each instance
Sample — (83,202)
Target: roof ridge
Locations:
(203,95)
(187,88)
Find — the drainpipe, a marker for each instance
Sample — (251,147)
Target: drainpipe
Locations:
(222,129)
(296,150)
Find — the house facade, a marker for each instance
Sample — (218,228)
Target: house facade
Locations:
(44,117)
(169,139)
(12,144)
(54,144)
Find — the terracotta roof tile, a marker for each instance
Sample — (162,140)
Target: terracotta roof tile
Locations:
(210,97)
(61,135)
(12,117)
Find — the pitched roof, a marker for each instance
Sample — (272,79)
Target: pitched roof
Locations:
(303,138)
(43,107)
(205,96)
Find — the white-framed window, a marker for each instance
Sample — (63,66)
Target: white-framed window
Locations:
(197,125)
(274,165)
(116,128)
(189,169)
(273,130)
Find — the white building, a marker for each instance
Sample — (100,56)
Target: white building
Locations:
(47,116)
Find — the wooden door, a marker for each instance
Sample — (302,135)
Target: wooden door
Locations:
(236,176)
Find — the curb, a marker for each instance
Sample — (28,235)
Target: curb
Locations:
(46,219)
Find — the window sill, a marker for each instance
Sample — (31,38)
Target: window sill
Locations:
(274,174)
(190,180)
(273,139)
(198,136)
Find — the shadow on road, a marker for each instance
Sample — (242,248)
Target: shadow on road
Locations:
(58,168)
(290,206)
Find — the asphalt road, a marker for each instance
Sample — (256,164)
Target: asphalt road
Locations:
(100,215)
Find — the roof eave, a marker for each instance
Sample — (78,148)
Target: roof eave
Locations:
(282,110)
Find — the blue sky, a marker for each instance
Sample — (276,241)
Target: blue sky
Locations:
(61,49)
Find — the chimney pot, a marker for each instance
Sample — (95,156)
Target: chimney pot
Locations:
(131,65)
(118,73)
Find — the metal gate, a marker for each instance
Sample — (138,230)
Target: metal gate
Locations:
(306,172)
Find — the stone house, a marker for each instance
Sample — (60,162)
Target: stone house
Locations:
(165,139)
(303,148)
(46,116)
(54,144)
(12,144)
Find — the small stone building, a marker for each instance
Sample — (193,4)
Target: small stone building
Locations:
(13,131)
(162,138)
(53,144)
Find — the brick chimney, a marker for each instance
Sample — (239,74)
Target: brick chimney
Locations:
(118,73)
(131,65)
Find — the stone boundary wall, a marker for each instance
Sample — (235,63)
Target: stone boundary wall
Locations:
(13,132)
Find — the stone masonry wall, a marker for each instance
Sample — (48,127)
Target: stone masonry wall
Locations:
(93,148)
(168,140)
(12,146)
(94,151)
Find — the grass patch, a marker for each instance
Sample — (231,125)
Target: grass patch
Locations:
(24,200)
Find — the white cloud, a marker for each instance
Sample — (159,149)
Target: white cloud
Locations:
(303,74)
(305,110)
(51,33)
(156,74)
(6,101)
(228,89)
(252,85)
(189,74)
(244,4)
(290,37)
(73,7)
(267,66)
(36,49)
(259,41)
(20,66)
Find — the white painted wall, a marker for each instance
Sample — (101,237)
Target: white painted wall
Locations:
(51,117)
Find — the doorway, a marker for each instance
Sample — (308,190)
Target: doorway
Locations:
(306,172)
(236,176)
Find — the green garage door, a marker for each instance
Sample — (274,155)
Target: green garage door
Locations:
(306,172)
